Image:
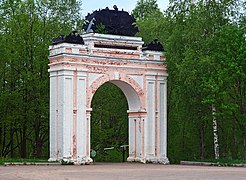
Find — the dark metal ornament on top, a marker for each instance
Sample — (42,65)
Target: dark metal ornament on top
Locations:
(153,46)
(116,22)
(73,37)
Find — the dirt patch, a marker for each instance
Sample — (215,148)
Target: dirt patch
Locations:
(119,171)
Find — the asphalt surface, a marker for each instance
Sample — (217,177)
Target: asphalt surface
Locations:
(108,171)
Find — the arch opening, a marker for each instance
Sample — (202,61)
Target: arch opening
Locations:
(133,99)
(109,123)
(131,95)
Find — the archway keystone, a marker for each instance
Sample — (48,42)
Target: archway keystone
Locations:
(78,70)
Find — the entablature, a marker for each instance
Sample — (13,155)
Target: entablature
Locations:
(107,46)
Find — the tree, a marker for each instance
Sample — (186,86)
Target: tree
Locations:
(229,50)
(150,20)
(27,28)
(144,8)
(194,81)
(203,94)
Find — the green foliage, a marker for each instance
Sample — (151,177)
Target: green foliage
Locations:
(226,161)
(114,155)
(2,161)
(149,20)
(100,28)
(26,30)
(205,54)
(145,8)
(197,77)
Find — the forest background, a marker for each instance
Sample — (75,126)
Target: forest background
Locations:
(205,49)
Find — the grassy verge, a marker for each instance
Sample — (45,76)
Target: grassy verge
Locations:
(2,161)
(222,162)
(234,161)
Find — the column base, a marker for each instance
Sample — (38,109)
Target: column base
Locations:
(52,160)
(89,161)
(157,160)
(80,161)
(76,161)
(83,161)
(137,159)
(149,160)
(163,160)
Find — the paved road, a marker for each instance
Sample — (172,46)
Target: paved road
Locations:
(112,171)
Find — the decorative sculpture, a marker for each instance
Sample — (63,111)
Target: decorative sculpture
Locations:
(116,22)
(73,37)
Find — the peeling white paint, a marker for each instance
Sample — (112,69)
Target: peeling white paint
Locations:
(77,71)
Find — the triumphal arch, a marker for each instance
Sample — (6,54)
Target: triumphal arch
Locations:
(79,65)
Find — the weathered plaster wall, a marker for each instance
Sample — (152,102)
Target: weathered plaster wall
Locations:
(77,71)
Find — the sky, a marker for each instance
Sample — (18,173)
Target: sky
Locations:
(89,6)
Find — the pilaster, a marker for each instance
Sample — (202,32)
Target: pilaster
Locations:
(162,120)
(53,116)
(88,136)
(150,122)
(136,136)
(81,120)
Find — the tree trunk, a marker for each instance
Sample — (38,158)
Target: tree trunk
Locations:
(4,141)
(244,146)
(38,142)
(1,134)
(11,142)
(38,148)
(202,143)
(234,147)
(183,139)
(223,142)
(23,144)
(215,129)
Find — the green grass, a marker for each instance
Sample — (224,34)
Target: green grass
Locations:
(222,162)
(232,161)
(109,156)
(2,161)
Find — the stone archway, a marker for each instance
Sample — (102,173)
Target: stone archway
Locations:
(78,70)
(136,114)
